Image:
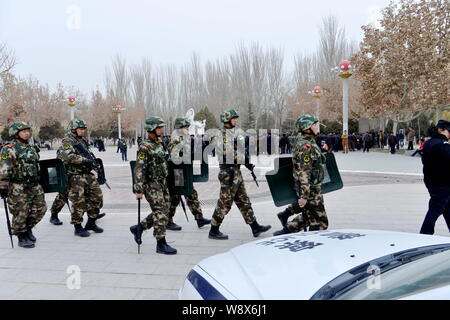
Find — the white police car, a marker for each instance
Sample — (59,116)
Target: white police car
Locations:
(331,264)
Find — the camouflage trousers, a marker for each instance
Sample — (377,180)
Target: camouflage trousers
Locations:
(312,214)
(192,202)
(84,194)
(58,203)
(232,189)
(26,203)
(157,195)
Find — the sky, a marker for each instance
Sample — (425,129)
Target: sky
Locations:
(73,42)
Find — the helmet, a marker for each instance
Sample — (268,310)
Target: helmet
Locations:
(227,115)
(18,126)
(305,122)
(154,122)
(75,124)
(181,122)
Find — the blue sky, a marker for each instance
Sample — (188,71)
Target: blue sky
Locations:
(50,44)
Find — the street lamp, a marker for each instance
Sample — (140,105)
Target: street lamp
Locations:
(316,93)
(71,102)
(345,71)
(119,109)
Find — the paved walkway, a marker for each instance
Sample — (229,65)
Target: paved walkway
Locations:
(111,268)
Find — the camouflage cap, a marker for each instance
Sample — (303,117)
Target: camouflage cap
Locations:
(305,122)
(18,126)
(154,122)
(75,124)
(227,115)
(181,122)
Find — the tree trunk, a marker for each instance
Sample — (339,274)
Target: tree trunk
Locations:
(394,128)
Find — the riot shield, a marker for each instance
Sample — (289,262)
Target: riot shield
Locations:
(281,182)
(53,176)
(180,179)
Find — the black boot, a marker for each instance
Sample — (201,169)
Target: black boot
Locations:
(285,230)
(90,225)
(258,229)
(137,230)
(55,220)
(202,222)
(30,236)
(80,231)
(100,215)
(284,216)
(24,242)
(163,247)
(173,226)
(214,233)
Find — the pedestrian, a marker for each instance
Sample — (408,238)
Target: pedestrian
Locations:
(232,187)
(367,141)
(410,137)
(308,172)
(392,142)
(123,150)
(436,172)
(84,190)
(420,149)
(345,141)
(150,173)
(20,183)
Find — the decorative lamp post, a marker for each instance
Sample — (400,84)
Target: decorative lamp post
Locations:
(316,93)
(119,109)
(345,71)
(71,102)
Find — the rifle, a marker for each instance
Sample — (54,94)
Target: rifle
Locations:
(86,153)
(8,223)
(184,208)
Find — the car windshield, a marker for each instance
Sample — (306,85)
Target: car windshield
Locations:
(429,272)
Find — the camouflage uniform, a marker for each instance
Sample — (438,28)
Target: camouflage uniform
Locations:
(84,190)
(177,145)
(58,203)
(308,174)
(151,174)
(231,153)
(20,174)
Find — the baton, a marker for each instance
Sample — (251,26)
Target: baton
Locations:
(8,223)
(184,208)
(139,221)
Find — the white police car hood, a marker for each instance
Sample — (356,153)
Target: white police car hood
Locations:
(296,266)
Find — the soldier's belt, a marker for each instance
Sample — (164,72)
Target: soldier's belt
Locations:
(227,166)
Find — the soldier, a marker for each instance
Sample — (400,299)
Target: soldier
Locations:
(232,187)
(180,142)
(59,203)
(84,190)
(308,175)
(19,182)
(151,173)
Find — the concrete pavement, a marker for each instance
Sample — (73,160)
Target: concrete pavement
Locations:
(381,192)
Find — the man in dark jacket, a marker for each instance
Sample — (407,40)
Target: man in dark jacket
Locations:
(436,171)
(392,142)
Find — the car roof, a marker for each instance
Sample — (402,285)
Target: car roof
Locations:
(295,266)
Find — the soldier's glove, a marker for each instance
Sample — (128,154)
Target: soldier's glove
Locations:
(4,193)
(250,166)
(89,162)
